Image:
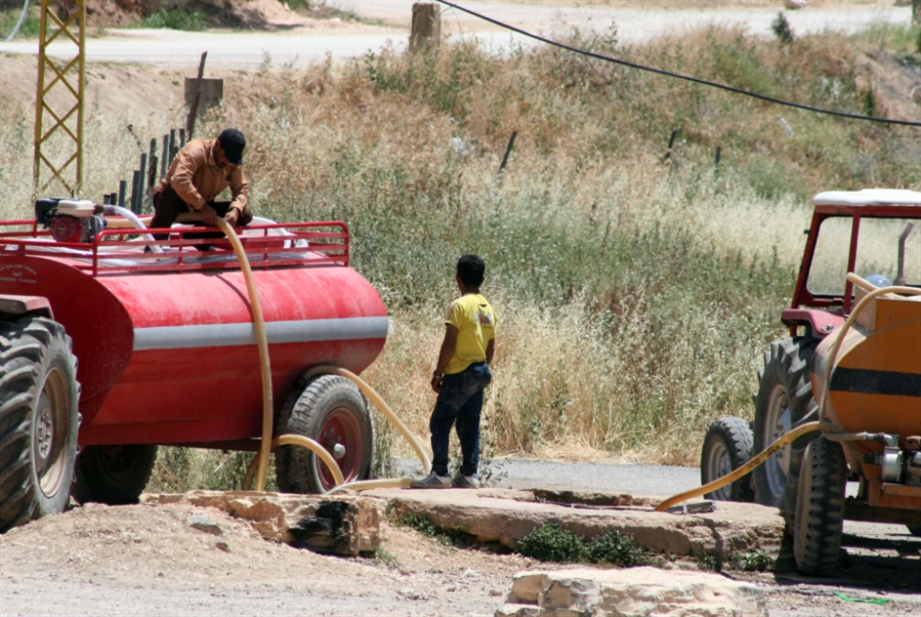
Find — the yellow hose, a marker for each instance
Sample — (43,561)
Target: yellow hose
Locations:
(873,291)
(261,340)
(380,404)
(364,485)
(744,469)
(291,439)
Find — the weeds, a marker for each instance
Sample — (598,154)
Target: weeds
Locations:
(176,19)
(552,543)
(756,561)
(30,24)
(454,536)
(782,30)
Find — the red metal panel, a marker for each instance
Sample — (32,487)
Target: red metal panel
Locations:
(95,319)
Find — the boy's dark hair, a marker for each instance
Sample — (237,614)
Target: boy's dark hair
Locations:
(471,269)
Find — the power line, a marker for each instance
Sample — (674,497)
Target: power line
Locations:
(695,80)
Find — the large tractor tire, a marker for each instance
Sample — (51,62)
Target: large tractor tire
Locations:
(39,419)
(331,411)
(727,447)
(114,475)
(820,508)
(784,401)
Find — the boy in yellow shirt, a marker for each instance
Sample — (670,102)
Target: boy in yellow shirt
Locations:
(461,375)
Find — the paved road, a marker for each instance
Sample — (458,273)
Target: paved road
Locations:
(248,50)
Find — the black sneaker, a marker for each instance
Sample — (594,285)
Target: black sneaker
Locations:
(462,481)
(432,481)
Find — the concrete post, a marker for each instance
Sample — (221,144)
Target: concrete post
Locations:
(426,29)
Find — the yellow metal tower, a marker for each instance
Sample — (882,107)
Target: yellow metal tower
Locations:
(59,101)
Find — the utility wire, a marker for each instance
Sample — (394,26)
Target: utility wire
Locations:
(22,18)
(695,80)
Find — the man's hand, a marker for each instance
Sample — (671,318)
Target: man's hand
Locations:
(208,216)
(232,216)
(436,382)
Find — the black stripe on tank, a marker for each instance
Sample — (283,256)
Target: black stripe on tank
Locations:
(866,381)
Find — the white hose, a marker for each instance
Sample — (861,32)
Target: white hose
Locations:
(138,224)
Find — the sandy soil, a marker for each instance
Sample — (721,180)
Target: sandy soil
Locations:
(147,560)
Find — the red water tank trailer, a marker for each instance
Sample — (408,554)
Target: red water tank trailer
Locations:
(166,350)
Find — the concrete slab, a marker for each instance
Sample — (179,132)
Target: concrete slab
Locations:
(505,516)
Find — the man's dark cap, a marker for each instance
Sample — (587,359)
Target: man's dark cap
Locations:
(232,142)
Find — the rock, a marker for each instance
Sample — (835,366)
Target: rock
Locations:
(633,592)
(345,525)
(795,5)
(731,528)
(203,523)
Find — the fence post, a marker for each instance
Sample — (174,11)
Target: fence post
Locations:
(426,27)
(508,151)
(135,187)
(122,189)
(193,106)
(164,162)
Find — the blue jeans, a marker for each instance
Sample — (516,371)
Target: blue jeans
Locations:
(459,403)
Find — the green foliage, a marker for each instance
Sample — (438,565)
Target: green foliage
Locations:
(454,536)
(176,19)
(178,470)
(782,30)
(710,561)
(757,561)
(551,543)
(616,548)
(296,5)
(30,25)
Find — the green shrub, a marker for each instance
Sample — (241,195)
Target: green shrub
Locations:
(454,536)
(782,30)
(758,560)
(551,543)
(30,24)
(176,19)
(616,548)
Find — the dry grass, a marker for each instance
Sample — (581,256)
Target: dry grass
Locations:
(635,294)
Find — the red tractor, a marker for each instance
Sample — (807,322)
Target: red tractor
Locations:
(112,343)
(858,372)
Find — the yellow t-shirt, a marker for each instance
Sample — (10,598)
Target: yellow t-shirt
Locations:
(475,321)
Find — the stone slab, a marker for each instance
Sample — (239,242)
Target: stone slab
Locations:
(344,524)
(632,592)
(505,516)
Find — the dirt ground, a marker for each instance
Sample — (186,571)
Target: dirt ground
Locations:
(148,560)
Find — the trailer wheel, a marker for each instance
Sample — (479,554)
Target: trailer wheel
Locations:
(784,401)
(39,419)
(114,475)
(820,508)
(727,447)
(331,411)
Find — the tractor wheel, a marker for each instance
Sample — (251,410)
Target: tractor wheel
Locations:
(39,420)
(784,401)
(114,475)
(820,508)
(727,447)
(331,411)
